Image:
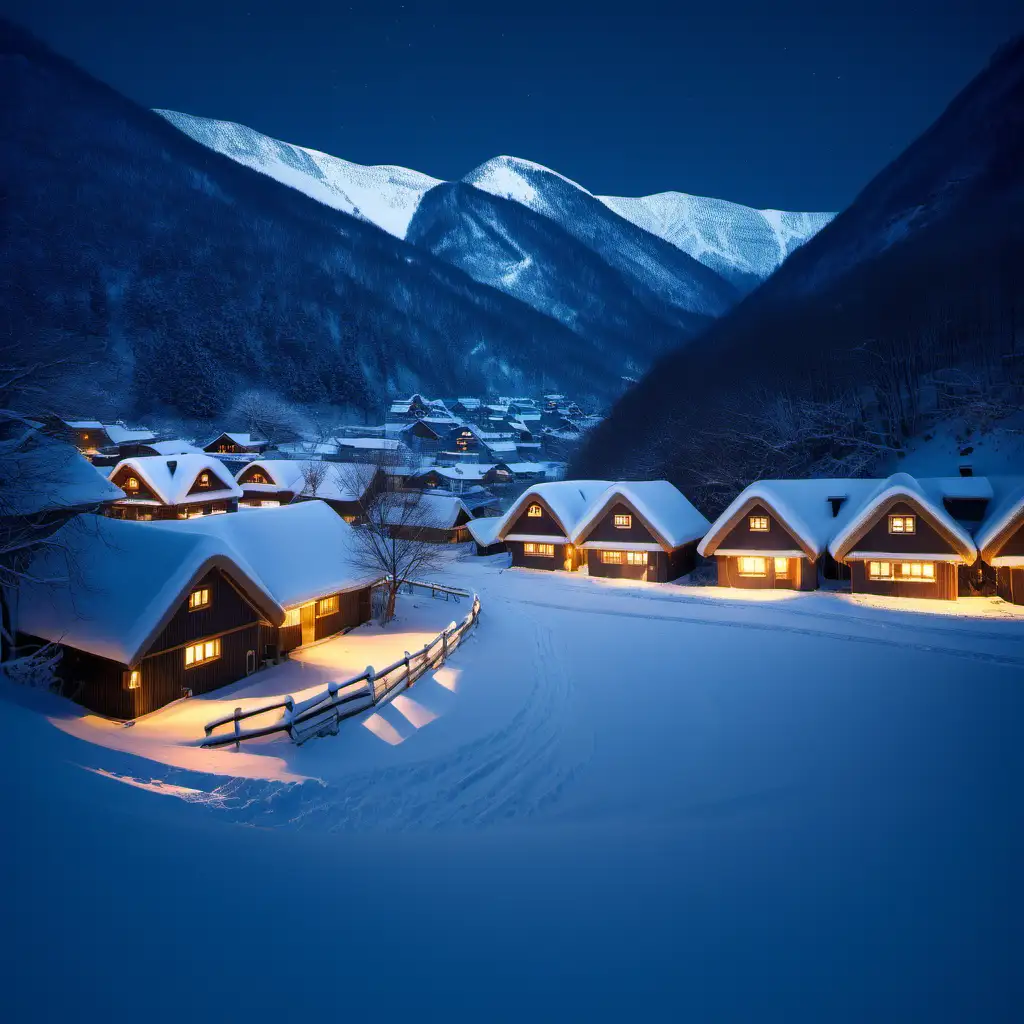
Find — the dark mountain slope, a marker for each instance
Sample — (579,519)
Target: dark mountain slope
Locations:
(531,257)
(156,272)
(908,305)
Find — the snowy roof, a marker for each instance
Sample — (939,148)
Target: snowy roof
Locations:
(124,435)
(283,474)
(927,495)
(119,583)
(469,403)
(374,443)
(432,510)
(308,448)
(484,531)
(85,424)
(344,481)
(524,468)
(802,505)
(501,446)
(176,447)
(568,501)
(663,507)
(1006,509)
(42,474)
(299,552)
(171,479)
(464,470)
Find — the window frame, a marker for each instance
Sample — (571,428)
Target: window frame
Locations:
(786,570)
(213,644)
(926,572)
(908,519)
(539,549)
(625,524)
(633,558)
(752,573)
(197,603)
(876,572)
(329,605)
(611,557)
(132,483)
(753,523)
(534,511)
(292,617)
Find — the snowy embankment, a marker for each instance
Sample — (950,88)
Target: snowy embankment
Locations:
(727,807)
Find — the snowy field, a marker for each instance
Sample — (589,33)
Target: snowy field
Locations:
(615,801)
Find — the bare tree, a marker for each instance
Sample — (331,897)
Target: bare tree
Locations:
(268,416)
(395,527)
(314,473)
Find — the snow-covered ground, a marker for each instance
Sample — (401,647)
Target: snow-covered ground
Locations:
(615,800)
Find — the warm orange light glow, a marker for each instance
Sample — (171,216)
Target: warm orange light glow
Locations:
(752,565)
(538,550)
(902,524)
(759,524)
(327,605)
(293,617)
(199,599)
(781,566)
(623,522)
(198,654)
(534,512)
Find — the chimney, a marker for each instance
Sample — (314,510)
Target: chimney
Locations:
(837,503)
(966,469)
(172,465)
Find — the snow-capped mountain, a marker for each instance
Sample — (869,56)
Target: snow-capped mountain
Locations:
(386,196)
(739,243)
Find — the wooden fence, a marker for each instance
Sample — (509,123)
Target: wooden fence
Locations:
(320,714)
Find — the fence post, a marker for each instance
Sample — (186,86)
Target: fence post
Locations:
(408,670)
(444,645)
(238,730)
(371,678)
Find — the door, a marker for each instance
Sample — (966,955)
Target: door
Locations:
(308,615)
(569,564)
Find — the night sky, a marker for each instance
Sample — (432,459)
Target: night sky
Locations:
(781,104)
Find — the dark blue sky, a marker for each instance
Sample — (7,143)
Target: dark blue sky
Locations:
(782,104)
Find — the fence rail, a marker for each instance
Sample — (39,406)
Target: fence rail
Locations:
(321,713)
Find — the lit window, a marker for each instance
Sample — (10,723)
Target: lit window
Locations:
(293,617)
(879,570)
(327,605)
(256,477)
(199,599)
(270,504)
(759,524)
(349,519)
(539,550)
(623,522)
(132,483)
(917,572)
(133,679)
(204,479)
(753,565)
(902,524)
(781,566)
(611,557)
(200,653)
(636,557)
(534,512)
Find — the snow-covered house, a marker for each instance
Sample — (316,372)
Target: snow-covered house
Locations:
(146,614)
(236,444)
(89,436)
(269,482)
(409,408)
(644,530)
(115,453)
(484,532)
(775,533)
(901,540)
(346,487)
(156,487)
(1000,538)
(436,519)
(417,435)
(371,449)
(538,529)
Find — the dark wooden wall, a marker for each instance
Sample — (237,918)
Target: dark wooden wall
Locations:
(606,530)
(775,538)
(1011,585)
(543,526)
(515,547)
(803,574)
(126,510)
(945,587)
(1014,544)
(228,609)
(926,540)
(353,610)
(120,478)
(660,568)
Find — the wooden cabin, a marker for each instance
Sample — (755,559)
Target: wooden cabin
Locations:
(173,488)
(435,519)
(538,529)
(902,542)
(347,488)
(236,444)
(484,532)
(116,453)
(174,609)
(90,436)
(644,530)
(411,408)
(266,483)
(417,435)
(1000,541)
(775,533)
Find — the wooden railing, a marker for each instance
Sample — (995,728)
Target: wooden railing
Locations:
(320,714)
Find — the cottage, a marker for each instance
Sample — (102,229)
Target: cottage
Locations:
(418,435)
(437,519)
(484,533)
(347,488)
(370,449)
(539,527)
(269,482)
(112,455)
(410,408)
(236,444)
(1000,539)
(645,530)
(902,541)
(89,436)
(153,613)
(176,488)
(775,533)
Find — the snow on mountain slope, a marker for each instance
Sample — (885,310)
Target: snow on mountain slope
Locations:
(384,195)
(737,241)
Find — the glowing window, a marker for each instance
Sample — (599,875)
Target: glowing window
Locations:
(199,599)
(256,477)
(781,566)
(204,479)
(759,524)
(917,572)
(132,483)
(624,522)
(753,565)
(534,512)
(293,617)
(270,504)
(327,605)
(879,570)
(902,524)
(199,654)
(636,557)
(133,679)
(539,550)
(611,557)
